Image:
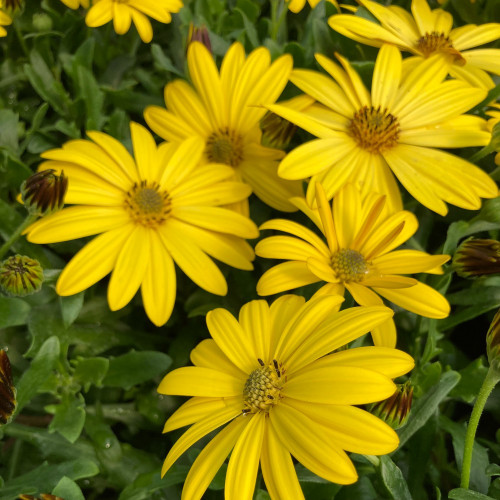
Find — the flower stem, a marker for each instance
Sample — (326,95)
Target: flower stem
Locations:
(15,235)
(489,383)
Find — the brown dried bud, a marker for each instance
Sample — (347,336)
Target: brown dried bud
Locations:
(493,343)
(20,276)
(7,390)
(43,496)
(43,192)
(476,257)
(395,410)
(199,34)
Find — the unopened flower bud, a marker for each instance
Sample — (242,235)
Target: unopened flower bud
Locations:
(43,496)
(276,131)
(43,192)
(493,343)
(476,257)
(199,34)
(395,410)
(7,390)
(20,275)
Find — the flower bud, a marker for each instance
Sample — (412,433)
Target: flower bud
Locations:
(43,192)
(20,275)
(199,34)
(395,410)
(43,496)
(476,257)
(493,343)
(7,390)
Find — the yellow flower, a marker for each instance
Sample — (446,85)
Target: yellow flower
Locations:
(5,20)
(123,12)
(397,127)
(297,5)
(358,256)
(162,207)
(427,32)
(75,4)
(270,375)
(225,111)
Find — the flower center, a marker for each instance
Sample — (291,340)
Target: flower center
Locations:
(439,42)
(374,129)
(349,265)
(225,147)
(263,388)
(147,205)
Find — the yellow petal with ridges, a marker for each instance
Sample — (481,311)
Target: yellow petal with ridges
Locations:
(389,281)
(211,458)
(99,14)
(144,151)
(347,214)
(351,428)
(420,299)
(362,94)
(158,287)
(307,443)
(208,354)
(121,18)
(94,261)
(201,429)
(244,462)
(199,381)
(469,36)
(143,25)
(231,66)
(335,331)
(167,125)
(385,335)
(285,276)
(362,295)
(485,59)
(255,320)
(278,470)
(322,269)
(235,342)
(286,248)
(408,262)
(130,268)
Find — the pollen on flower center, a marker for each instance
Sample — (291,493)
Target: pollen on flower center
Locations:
(374,129)
(263,388)
(147,204)
(225,147)
(434,42)
(349,265)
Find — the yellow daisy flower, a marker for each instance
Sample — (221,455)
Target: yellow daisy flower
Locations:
(269,376)
(161,208)
(427,32)
(297,5)
(75,4)
(366,137)
(5,20)
(359,255)
(225,110)
(123,12)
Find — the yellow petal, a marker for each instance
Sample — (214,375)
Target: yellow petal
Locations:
(143,25)
(100,13)
(166,124)
(362,295)
(244,462)
(285,276)
(408,262)
(94,261)
(208,354)
(255,320)
(347,214)
(121,18)
(322,269)
(144,150)
(389,281)
(470,36)
(199,381)
(305,441)
(420,299)
(385,335)
(193,410)
(234,341)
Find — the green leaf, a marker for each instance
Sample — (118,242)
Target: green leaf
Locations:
(8,130)
(136,367)
(250,31)
(68,489)
(90,371)
(471,380)
(45,477)
(479,480)
(41,367)
(69,417)
(463,494)
(393,479)
(164,62)
(148,483)
(425,406)
(493,470)
(92,96)
(13,312)
(70,307)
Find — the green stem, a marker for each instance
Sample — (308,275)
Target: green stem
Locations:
(491,379)
(481,154)
(14,459)
(278,14)
(5,247)
(22,43)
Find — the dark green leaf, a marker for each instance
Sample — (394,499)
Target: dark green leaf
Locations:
(90,371)
(393,479)
(13,311)
(463,494)
(70,307)
(68,490)
(69,417)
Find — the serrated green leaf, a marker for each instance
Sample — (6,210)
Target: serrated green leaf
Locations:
(136,367)
(90,371)
(425,406)
(41,367)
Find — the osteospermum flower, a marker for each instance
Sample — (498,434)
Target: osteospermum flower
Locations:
(5,20)
(366,137)
(75,4)
(159,208)
(359,255)
(269,376)
(297,5)
(225,110)
(428,32)
(123,12)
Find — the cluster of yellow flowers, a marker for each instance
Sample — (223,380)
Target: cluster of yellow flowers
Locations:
(275,373)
